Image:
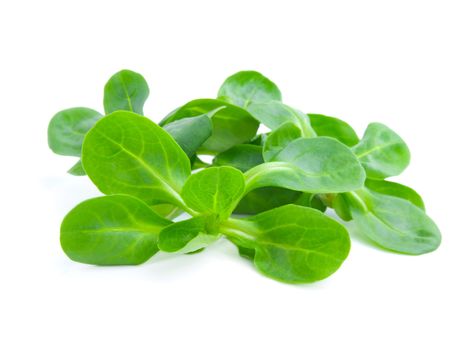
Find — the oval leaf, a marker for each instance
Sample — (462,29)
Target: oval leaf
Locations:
(382,152)
(393,223)
(396,190)
(231,125)
(127,153)
(67,130)
(266,198)
(316,165)
(113,230)
(125,91)
(333,127)
(214,191)
(246,87)
(292,244)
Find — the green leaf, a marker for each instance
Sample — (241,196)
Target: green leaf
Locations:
(292,244)
(168,211)
(246,87)
(125,91)
(128,154)
(112,230)
(340,206)
(393,223)
(67,130)
(187,236)
(231,125)
(274,113)
(190,133)
(333,127)
(214,191)
(77,169)
(382,152)
(396,190)
(279,139)
(316,165)
(258,140)
(266,198)
(242,157)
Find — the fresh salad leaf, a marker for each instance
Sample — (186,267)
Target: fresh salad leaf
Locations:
(333,127)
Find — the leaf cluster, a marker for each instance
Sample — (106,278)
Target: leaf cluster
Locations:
(265,193)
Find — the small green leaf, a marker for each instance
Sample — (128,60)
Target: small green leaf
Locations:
(279,139)
(292,244)
(396,190)
(242,157)
(128,154)
(393,223)
(67,130)
(186,236)
(190,133)
(382,152)
(112,230)
(266,198)
(316,165)
(77,169)
(231,125)
(274,113)
(333,127)
(214,191)
(246,87)
(125,91)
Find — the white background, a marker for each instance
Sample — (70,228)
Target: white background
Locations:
(402,63)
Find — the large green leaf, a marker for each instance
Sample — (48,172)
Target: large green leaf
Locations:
(231,125)
(246,87)
(125,91)
(112,230)
(242,157)
(190,133)
(186,236)
(274,113)
(291,244)
(333,127)
(129,154)
(279,139)
(382,152)
(316,165)
(67,130)
(393,223)
(214,191)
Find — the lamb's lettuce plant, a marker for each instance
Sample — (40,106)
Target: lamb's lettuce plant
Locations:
(281,182)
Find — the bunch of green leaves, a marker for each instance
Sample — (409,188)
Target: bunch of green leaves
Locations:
(265,193)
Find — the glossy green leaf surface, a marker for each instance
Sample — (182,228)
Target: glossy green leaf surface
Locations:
(231,125)
(125,91)
(333,127)
(112,230)
(393,223)
(190,133)
(247,87)
(382,152)
(316,165)
(278,139)
(274,113)
(292,244)
(77,169)
(67,130)
(214,191)
(186,236)
(129,154)
(242,157)
(396,190)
